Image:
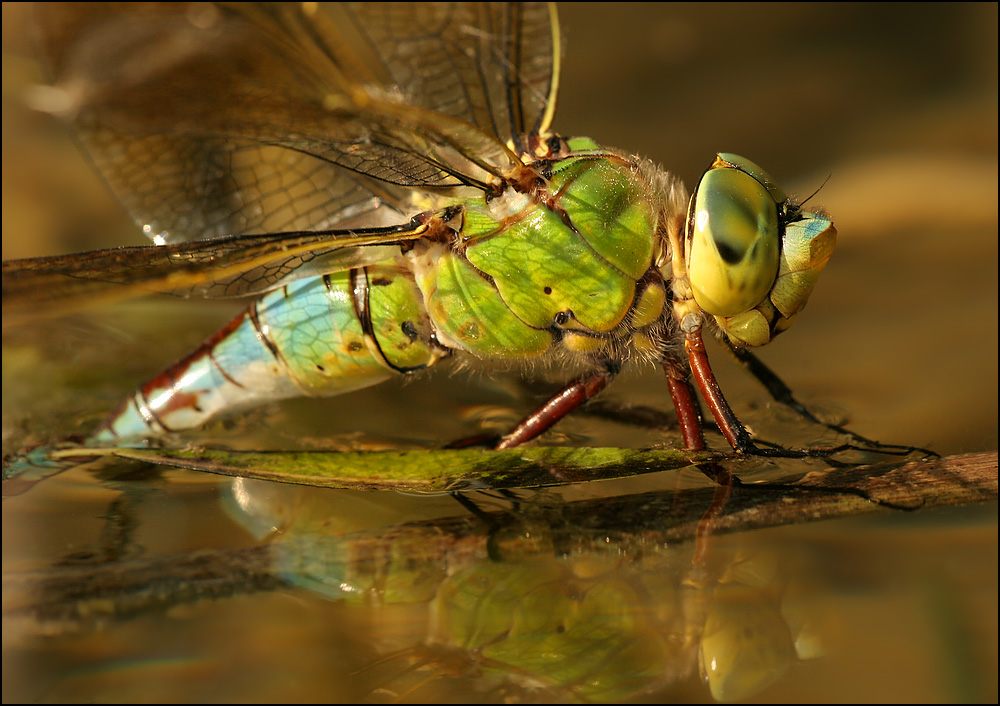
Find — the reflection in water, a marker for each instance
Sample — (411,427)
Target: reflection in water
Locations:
(137,586)
(608,619)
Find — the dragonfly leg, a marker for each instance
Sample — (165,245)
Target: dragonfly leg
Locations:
(689,418)
(731,427)
(686,404)
(780,392)
(558,406)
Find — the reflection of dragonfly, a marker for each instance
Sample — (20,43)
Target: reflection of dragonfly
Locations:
(419,205)
(629,610)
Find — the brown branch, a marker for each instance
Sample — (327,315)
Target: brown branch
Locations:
(79,596)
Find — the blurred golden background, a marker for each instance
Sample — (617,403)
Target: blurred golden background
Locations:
(891,108)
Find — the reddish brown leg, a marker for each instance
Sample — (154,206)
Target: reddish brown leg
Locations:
(735,433)
(725,481)
(688,416)
(561,404)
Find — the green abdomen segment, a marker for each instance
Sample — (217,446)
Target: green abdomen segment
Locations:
(567,269)
(316,336)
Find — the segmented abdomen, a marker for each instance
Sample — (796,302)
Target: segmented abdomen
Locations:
(316,336)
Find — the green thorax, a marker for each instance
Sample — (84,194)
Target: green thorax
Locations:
(563,267)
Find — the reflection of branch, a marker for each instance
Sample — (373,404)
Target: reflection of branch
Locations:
(77,596)
(71,596)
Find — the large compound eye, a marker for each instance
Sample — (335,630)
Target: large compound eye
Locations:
(733,243)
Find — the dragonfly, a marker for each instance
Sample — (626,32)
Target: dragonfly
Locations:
(386,180)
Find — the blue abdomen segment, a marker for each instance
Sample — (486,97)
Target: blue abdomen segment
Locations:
(316,336)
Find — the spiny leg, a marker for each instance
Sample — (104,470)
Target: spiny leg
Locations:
(734,431)
(542,419)
(685,403)
(539,421)
(781,393)
(731,427)
(558,406)
(689,418)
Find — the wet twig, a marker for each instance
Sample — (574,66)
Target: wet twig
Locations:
(81,596)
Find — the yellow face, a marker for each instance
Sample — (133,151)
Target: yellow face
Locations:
(752,258)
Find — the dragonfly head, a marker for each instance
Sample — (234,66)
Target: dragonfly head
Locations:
(752,255)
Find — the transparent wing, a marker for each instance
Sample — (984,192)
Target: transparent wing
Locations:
(223,267)
(230,119)
(494,65)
